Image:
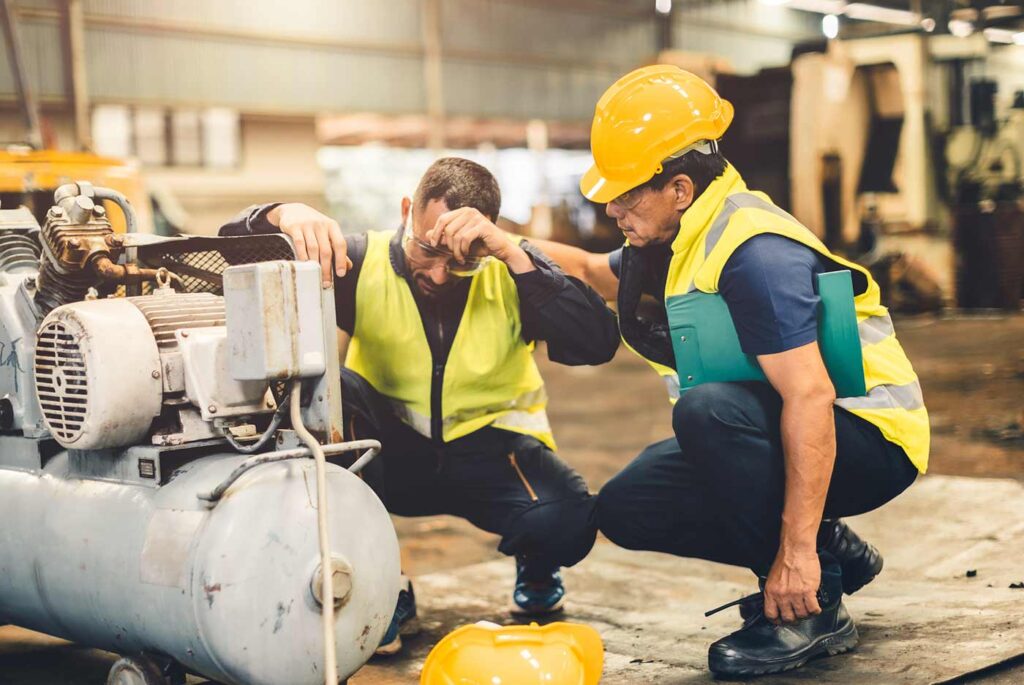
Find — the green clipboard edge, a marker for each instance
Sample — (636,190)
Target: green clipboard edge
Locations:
(707,348)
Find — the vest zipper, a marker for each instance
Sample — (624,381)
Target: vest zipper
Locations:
(522,476)
(437,385)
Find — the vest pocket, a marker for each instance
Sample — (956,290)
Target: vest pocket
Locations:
(522,477)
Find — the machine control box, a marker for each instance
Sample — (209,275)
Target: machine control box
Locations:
(274,323)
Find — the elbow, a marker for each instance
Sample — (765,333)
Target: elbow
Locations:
(820,393)
(606,352)
(606,355)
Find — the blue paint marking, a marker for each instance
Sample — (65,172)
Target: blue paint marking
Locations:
(9,359)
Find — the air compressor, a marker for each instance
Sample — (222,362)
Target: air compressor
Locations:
(167,406)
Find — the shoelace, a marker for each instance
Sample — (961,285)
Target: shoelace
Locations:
(757,596)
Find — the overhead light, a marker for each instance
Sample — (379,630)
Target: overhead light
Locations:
(830,26)
(960,28)
(1018,38)
(774,3)
(928,24)
(663,6)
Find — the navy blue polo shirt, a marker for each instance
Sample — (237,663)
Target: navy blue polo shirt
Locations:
(770,287)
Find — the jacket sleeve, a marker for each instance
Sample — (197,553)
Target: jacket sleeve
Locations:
(568,315)
(250,221)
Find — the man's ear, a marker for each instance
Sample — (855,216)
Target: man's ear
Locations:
(684,191)
(406,207)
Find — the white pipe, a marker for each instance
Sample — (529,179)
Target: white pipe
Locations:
(327,577)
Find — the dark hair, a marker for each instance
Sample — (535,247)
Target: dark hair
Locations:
(460,183)
(701,168)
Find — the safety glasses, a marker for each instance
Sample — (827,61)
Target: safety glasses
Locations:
(410,243)
(630,198)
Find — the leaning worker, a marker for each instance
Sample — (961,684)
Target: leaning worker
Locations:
(754,466)
(443,315)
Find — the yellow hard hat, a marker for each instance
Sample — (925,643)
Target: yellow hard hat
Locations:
(645,117)
(488,654)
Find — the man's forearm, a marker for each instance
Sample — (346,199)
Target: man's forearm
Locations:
(809,445)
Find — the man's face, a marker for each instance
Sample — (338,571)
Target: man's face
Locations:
(647,216)
(429,270)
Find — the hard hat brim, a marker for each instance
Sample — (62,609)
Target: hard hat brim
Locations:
(597,188)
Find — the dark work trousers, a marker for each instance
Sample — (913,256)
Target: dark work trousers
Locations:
(716,490)
(506,483)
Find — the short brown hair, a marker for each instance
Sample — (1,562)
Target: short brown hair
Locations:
(460,183)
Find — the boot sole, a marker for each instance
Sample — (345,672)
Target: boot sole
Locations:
(843,640)
(519,611)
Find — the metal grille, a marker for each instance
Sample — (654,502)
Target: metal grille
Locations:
(200,262)
(61,382)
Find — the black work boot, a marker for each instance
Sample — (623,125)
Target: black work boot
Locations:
(859,560)
(761,647)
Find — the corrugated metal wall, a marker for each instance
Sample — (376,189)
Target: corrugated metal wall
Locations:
(506,58)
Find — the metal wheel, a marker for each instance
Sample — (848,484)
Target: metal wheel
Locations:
(141,670)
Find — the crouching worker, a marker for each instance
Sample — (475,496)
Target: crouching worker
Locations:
(755,465)
(443,315)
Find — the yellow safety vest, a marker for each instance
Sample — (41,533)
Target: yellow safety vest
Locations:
(490,378)
(725,216)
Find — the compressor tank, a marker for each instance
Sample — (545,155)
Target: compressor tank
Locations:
(226,590)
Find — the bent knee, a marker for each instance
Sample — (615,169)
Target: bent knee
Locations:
(562,531)
(618,517)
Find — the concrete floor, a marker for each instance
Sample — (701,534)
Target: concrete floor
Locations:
(922,621)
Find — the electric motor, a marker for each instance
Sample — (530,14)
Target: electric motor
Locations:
(97,370)
(105,369)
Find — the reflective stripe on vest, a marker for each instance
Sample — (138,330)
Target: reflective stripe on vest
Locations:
(907,397)
(533,422)
(489,378)
(723,218)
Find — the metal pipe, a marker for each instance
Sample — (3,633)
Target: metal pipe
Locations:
(326,574)
(131,223)
(372,448)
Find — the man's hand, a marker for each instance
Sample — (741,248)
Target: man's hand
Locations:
(791,591)
(459,228)
(317,238)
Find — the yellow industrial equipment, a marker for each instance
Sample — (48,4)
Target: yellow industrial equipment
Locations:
(488,654)
(29,177)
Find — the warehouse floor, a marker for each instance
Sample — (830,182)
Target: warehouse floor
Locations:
(923,620)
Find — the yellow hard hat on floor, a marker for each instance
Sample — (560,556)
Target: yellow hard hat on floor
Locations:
(488,654)
(645,117)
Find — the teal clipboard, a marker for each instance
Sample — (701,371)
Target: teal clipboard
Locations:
(707,348)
